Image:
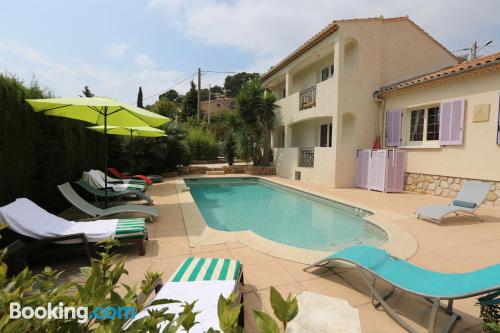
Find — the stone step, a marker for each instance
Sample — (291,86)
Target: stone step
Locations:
(215,172)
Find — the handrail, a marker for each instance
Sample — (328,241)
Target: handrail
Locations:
(306,157)
(307,98)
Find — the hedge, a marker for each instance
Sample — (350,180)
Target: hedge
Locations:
(38,152)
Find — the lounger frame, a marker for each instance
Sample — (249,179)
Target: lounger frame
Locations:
(370,278)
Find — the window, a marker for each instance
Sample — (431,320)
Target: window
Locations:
(324,74)
(325,135)
(423,125)
(283,93)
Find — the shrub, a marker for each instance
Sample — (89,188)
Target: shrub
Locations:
(100,290)
(38,152)
(202,143)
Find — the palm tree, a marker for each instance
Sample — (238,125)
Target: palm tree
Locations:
(256,108)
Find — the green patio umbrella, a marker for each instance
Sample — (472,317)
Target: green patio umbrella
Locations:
(139,131)
(98,111)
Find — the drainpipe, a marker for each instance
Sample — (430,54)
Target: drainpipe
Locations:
(380,100)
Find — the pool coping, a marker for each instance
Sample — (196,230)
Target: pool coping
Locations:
(400,242)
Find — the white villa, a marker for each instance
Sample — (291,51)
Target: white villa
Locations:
(337,90)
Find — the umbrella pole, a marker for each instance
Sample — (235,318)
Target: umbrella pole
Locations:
(105,157)
(131,155)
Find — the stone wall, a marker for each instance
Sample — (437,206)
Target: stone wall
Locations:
(447,187)
(251,170)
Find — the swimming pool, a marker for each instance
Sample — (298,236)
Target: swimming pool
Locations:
(282,214)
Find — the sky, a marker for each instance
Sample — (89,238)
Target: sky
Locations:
(115,46)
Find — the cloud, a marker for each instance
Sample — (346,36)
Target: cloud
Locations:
(68,76)
(143,60)
(117,50)
(269,30)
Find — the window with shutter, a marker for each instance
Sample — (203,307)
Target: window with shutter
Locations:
(451,122)
(393,128)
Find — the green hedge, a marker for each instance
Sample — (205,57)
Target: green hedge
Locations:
(38,152)
(202,143)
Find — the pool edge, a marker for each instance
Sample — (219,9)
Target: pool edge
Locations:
(400,243)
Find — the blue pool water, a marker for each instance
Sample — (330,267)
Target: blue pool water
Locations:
(282,214)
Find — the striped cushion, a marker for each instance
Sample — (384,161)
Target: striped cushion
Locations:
(206,269)
(131,229)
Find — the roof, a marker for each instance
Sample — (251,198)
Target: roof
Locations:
(329,30)
(447,72)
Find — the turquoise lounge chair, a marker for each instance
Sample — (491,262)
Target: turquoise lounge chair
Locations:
(375,263)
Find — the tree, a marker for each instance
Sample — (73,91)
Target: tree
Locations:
(234,83)
(86,92)
(171,95)
(256,109)
(139,98)
(190,103)
(165,107)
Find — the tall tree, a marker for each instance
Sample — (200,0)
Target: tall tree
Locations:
(256,107)
(164,107)
(234,83)
(86,92)
(171,95)
(190,103)
(139,98)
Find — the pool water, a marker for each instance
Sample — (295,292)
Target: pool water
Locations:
(282,214)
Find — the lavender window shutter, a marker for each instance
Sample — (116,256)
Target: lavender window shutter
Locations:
(451,122)
(393,128)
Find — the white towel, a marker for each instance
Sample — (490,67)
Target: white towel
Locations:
(96,179)
(26,218)
(205,292)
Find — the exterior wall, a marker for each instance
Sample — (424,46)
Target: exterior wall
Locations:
(306,134)
(407,52)
(310,75)
(446,187)
(479,155)
(285,161)
(370,56)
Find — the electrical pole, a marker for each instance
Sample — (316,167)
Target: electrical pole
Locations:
(208,111)
(199,95)
(473,51)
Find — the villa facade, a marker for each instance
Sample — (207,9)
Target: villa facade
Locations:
(331,104)
(326,107)
(448,122)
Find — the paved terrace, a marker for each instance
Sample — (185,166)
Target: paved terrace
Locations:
(458,245)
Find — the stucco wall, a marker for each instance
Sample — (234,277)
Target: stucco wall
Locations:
(479,155)
(306,134)
(285,161)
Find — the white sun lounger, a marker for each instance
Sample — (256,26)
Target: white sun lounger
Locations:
(33,223)
(202,280)
(76,200)
(470,197)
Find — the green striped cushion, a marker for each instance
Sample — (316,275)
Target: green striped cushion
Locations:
(206,269)
(135,187)
(131,229)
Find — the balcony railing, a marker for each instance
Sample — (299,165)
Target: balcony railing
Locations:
(306,157)
(307,98)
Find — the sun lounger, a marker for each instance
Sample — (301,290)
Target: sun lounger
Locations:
(36,228)
(99,193)
(131,181)
(96,179)
(374,263)
(150,179)
(470,197)
(77,201)
(203,280)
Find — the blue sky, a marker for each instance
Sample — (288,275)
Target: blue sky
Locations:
(115,46)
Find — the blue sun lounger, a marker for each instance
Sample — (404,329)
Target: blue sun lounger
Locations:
(375,263)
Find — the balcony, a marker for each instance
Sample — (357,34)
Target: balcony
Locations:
(306,158)
(307,98)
